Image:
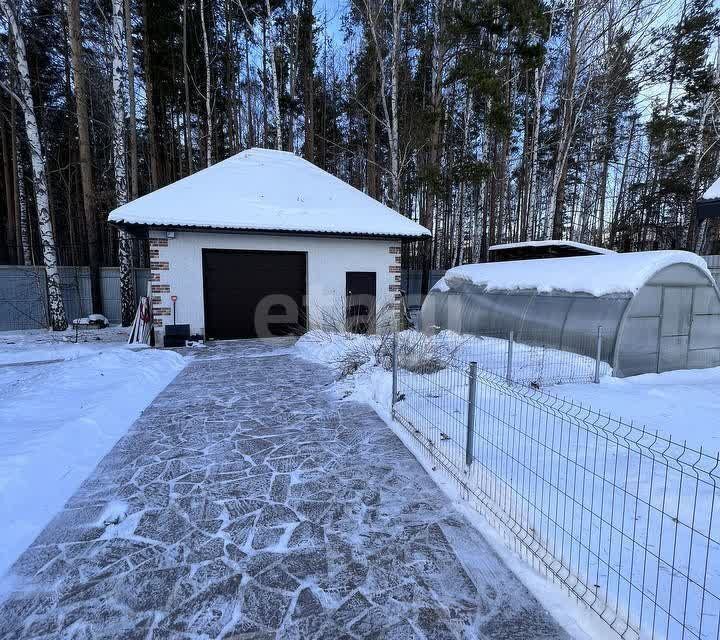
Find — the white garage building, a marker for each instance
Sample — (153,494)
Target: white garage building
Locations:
(264,242)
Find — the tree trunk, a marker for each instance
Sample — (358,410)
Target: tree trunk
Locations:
(57,318)
(696,241)
(24,223)
(568,121)
(371,173)
(13,258)
(433,159)
(535,144)
(186,85)
(275,81)
(127,280)
(150,104)
(248,87)
(397,9)
(20,200)
(307,61)
(130,52)
(208,79)
(86,177)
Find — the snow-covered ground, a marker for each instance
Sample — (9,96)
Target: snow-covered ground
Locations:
(62,407)
(554,486)
(683,405)
(41,345)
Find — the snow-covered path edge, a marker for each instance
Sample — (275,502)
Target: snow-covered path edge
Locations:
(373,386)
(57,421)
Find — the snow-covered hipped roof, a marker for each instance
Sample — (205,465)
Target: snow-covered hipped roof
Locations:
(597,275)
(264,190)
(713,192)
(550,243)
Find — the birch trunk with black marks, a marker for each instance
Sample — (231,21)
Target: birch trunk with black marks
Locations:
(127,284)
(86,177)
(22,237)
(56,308)
(21,203)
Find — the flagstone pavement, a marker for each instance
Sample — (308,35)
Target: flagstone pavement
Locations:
(248,502)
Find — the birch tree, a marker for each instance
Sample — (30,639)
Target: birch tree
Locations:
(19,176)
(132,124)
(695,241)
(572,103)
(56,308)
(21,206)
(127,277)
(388,58)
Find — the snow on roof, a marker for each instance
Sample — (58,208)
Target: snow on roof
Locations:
(550,243)
(260,189)
(713,191)
(597,275)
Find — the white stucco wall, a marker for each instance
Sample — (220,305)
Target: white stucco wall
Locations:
(176,269)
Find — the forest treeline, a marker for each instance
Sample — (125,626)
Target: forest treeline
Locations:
(485,120)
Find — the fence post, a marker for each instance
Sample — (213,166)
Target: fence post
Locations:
(598,355)
(508,368)
(394,375)
(472,394)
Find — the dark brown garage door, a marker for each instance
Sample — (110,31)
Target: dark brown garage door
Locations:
(253,293)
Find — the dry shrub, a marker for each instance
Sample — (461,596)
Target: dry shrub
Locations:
(416,352)
(333,317)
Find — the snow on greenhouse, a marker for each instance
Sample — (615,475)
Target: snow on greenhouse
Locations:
(657,310)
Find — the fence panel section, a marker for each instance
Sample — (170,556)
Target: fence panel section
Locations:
(23,294)
(23,298)
(627,520)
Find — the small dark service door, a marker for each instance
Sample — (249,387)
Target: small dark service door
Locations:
(361,290)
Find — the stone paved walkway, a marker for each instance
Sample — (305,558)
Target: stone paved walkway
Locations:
(253,505)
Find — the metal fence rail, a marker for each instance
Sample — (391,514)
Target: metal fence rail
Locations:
(627,520)
(532,358)
(23,294)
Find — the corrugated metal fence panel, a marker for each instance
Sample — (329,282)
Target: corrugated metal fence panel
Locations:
(23,301)
(23,295)
(110,284)
(75,283)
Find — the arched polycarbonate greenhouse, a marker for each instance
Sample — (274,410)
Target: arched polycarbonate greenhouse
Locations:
(658,310)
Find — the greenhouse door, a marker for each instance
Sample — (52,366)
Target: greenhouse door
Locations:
(674,328)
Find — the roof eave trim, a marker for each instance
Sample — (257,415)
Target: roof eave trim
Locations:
(144,227)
